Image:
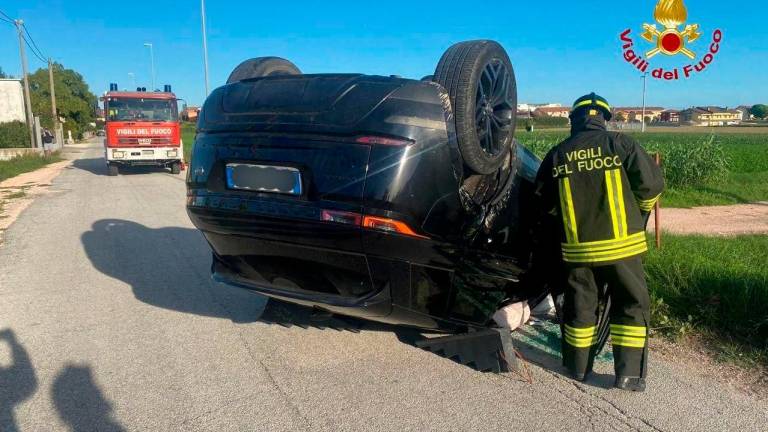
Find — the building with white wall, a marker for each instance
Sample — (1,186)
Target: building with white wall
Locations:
(11,101)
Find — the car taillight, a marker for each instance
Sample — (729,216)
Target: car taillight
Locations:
(341,217)
(382,140)
(370,222)
(389,225)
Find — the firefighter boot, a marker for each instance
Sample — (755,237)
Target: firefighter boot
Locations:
(630,384)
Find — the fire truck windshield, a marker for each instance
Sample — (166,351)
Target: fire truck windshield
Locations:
(139,109)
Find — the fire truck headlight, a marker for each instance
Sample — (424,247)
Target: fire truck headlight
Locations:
(172,153)
(118,154)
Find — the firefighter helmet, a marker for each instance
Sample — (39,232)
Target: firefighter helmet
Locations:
(593,101)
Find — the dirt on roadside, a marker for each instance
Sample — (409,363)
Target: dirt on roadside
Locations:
(696,354)
(17,193)
(715,220)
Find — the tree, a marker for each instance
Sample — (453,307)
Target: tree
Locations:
(759,111)
(3,74)
(74,100)
(620,117)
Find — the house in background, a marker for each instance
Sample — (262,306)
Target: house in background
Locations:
(745,112)
(710,116)
(552,111)
(670,116)
(11,101)
(190,113)
(524,114)
(528,110)
(635,114)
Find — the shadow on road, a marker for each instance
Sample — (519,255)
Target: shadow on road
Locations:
(80,403)
(17,381)
(167,268)
(98,166)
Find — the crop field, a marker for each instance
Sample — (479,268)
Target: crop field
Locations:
(701,168)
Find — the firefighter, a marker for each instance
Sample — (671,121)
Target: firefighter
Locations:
(598,188)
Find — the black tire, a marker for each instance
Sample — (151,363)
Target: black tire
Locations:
(261,67)
(112,170)
(481,85)
(176,168)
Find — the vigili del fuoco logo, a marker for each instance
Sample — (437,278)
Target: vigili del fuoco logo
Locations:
(673,38)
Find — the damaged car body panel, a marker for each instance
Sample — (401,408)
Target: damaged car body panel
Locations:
(383,223)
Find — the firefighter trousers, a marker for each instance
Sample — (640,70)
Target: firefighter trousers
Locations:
(624,282)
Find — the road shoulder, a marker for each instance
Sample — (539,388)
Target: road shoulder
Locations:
(17,193)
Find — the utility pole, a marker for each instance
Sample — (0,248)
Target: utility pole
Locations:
(54,114)
(24,72)
(205,45)
(152,62)
(642,120)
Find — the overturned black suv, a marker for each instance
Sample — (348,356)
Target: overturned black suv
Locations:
(396,200)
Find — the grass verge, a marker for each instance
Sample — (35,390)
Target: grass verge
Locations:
(715,288)
(188,136)
(26,163)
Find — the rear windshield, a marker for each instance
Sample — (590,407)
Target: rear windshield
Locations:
(139,109)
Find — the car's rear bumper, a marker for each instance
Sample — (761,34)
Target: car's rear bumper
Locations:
(341,269)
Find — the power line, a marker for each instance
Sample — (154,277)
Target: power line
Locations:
(38,56)
(33,41)
(6,16)
(33,47)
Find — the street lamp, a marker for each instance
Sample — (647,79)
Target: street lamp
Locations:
(205,44)
(152,62)
(132,76)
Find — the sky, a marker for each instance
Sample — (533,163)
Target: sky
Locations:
(560,50)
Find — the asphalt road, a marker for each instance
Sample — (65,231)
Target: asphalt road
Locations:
(109,321)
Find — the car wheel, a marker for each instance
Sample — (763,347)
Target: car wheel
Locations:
(112,170)
(261,67)
(175,168)
(481,85)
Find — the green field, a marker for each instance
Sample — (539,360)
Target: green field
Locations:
(713,285)
(22,164)
(701,168)
(188,136)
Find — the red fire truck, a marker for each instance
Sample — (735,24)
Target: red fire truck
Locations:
(142,128)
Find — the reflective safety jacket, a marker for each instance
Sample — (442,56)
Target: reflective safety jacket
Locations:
(600,186)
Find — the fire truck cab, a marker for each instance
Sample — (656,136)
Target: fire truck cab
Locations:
(142,128)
